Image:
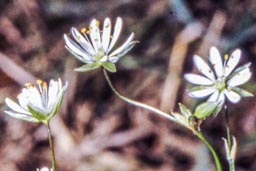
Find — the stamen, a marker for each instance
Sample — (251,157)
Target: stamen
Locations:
(83,30)
(226,56)
(39,81)
(27,85)
(97,23)
(45,84)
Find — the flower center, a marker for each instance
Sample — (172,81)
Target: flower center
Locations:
(220,84)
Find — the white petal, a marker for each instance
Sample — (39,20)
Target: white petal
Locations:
(82,41)
(232,61)
(115,58)
(34,97)
(76,50)
(117,30)
(197,79)
(15,107)
(232,96)
(22,116)
(221,97)
(203,67)
(240,78)
(202,93)
(106,34)
(95,35)
(23,100)
(216,61)
(214,97)
(124,45)
(52,92)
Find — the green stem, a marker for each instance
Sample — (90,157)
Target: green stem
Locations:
(136,103)
(142,105)
(213,152)
(51,146)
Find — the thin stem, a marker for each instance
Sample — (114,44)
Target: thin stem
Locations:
(51,146)
(213,152)
(136,103)
(227,127)
(229,140)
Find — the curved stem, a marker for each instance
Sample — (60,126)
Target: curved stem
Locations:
(51,147)
(213,152)
(136,103)
(150,108)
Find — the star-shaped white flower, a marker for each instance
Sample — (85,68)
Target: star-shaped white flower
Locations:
(220,79)
(95,47)
(44,169)
(37,103)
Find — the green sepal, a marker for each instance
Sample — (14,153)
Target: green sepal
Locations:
(184,110)
(242,92)
(57,105)
(206,109)
(37,113)
(88,67)
(111,67)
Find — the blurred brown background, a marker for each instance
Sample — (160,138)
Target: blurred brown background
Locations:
(96,131)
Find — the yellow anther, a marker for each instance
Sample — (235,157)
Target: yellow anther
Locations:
(44,84)
(39,81)
(28,84)
(226,56)
(83,30)
(97,23)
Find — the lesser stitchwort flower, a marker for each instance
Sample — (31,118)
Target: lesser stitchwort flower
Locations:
(37,103)
(44,169)
(222,80)
(95,47)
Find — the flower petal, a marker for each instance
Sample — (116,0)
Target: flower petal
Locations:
(202,93)
(197,79)
(83,42)
(95,35)
(216,61)
(240,78)
(214,97)
(106,34)
(117,30)
(15,107)
(115,58)
(22,116)
(232,62)
(76,50)
(124,45)
(203,67)
(232,96)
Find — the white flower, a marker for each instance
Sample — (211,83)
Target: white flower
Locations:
(37,103)
(44,169)
(95,48)
(222,80)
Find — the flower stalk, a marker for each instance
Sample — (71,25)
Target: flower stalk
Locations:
(51,146)
(136,103)
(199,134)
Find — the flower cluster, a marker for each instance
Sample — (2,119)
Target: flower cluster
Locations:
(222,80)
(37,103)
(95,48)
